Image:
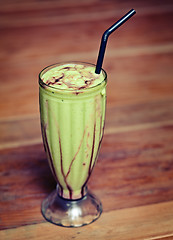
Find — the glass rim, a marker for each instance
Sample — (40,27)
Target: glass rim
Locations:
(44,85)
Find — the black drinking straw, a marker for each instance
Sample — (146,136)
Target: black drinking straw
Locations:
(106,35)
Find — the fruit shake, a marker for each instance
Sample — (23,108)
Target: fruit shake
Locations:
(72,110)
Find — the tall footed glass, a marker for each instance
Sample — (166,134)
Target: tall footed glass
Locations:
(72,123)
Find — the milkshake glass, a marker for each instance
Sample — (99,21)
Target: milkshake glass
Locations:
(72,123)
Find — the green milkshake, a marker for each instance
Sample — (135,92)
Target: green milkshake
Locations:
(72,109)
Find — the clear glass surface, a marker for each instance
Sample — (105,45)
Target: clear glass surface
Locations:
(71,213)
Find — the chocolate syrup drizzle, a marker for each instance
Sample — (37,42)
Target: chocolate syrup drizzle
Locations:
(56,81)
(75,154)
(91,163)
(47,149)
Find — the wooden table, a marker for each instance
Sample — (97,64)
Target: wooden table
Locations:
(134,174)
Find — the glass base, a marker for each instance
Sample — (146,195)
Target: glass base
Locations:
(71,213)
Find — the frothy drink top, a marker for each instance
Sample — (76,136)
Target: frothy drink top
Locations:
(72,77)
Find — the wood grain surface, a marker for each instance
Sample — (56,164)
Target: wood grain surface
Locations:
(134,174)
